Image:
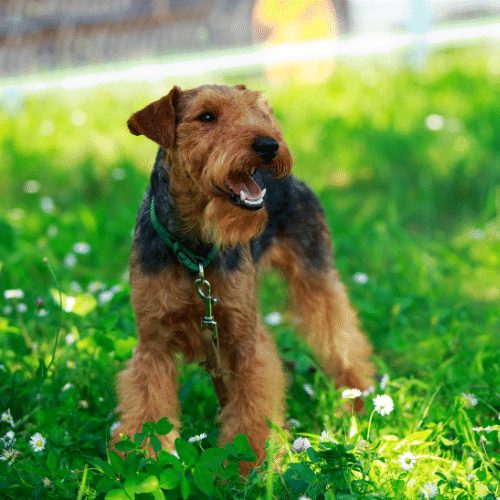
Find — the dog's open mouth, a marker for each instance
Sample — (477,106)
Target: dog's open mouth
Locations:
(244,191)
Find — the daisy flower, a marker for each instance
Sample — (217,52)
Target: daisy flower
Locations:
(13,294)
(383,404)
(70,260)
(407,460)
(82,248)
(9,456)
(430,490)
(8,439)
(197,438)
(360,278)
(301,444)
(7,417)
(37,442)
(469,399)
(351,393)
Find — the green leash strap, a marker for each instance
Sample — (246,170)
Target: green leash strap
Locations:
(187,258)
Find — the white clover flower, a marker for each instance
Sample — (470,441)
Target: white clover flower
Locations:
(70,260)
(273,319)
(369,391)
(21,308)
(360,278)
(434,122)
(31,186)
(351,394)
(113,427)
(293,422)
(46,482)
(41,313)
(407,460)
(383,404)
(9,455)
(47,204)
(118,174)
(384,381)
(81,248)
(16,293)
(37,442)
(301,444)
(430,490)
(325,437)
(197,438)
(469,399)
(7,417)
(105,297)
(68,303)
(70,338)
(9,439)
(7,309)
(308,389)
(66,386)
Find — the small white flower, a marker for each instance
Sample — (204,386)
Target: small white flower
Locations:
(369,391)
(37,442)
(175,454)
(434,122)
(46,482)
(47,204)
(105,297)
(66,386)
(70,260)
(273,319)
(7,417)
(13,294)
(70,338)
(407,460)
(81,248)
(83,404)
(301,444)
(360,278)
(68,303)
(118,174)
(430,490)
(351,394)
(31,186)
(113,427)
(8,439)
(75,287)
(325,437)
(21,308)
(95,286)
(197,437)
(303,497)
(292,423)
(9,455)
(7,309)
(116,288)
(52,231)
(383,404)
(469,399)
(41,313)
(308,389)
(384,381)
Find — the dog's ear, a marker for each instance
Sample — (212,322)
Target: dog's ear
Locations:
(240,86)
(157,120)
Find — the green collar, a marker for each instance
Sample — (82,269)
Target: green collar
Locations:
(188,259)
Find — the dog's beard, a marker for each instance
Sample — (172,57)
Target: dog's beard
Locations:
(227,225)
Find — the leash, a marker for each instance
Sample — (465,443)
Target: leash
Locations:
(209,330)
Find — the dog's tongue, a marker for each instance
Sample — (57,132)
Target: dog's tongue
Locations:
(244,182)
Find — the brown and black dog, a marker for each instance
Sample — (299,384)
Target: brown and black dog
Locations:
(222,177)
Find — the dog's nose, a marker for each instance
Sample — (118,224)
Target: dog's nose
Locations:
(266,148)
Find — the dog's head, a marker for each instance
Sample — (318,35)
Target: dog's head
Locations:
(216,139)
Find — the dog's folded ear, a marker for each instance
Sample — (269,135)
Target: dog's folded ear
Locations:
(157,120)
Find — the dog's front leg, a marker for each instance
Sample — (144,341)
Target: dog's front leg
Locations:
(255,392)
(147,391)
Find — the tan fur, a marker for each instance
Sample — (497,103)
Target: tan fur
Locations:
(166,307)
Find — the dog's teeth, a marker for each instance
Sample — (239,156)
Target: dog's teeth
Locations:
(263,193)
(243,196)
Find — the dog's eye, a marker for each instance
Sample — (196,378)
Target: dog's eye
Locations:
(206,117)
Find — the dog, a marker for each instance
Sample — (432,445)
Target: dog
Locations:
(221,186)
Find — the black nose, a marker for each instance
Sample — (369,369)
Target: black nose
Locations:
(266,148)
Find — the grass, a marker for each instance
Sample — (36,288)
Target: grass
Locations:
(406,165)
